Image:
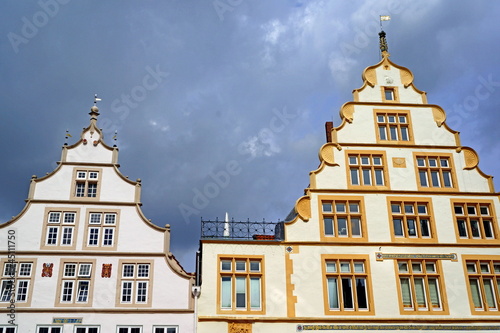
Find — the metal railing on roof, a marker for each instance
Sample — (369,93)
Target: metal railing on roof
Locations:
(244,230)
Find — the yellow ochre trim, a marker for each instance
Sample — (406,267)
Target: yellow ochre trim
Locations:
(290,287)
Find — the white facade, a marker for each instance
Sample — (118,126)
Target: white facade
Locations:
(398,230)
(85,258)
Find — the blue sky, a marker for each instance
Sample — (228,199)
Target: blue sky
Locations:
(201,90)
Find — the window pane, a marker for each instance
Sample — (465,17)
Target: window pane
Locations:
(361,293)
(447,179)
(424,228)
(359,267)
(83,291)
(444,162)
(340,208)
(379,177)
(421,162)
(128,270)
(404,134)
(423,178)
(328,227)
(347,293)
(327,207)
(255,266)
(435,178)
(143,270)
(432,162)
(226,292)
(420,292)
(380,118)
(471,210)
(142,292)
(411,228)
(398,228)
(241,292)
(459,210)
(353,160)
(406,293)
(331,267)
(484,210)
(345,267)
(342,223)
(333,296)
(354,208)
(474,224)
(389,94)
(95,218)
(489,293)
(377,160)
(408,209)
(476,294)
(422,209)
(240,265)
(403,267)
(255,293)
(462,228)
(488,231)
(393,130)
(355,226)
(366,177)
(365,160)
(395,208)
(225,265)
(354,177)
(434,293)
(382,133)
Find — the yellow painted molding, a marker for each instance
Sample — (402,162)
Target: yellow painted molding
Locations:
(347,112)
(370,76)
(303,208)
(406,77)
(326,154)
(470,156)
(439,115)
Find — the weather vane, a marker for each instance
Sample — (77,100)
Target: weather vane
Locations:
(96,99)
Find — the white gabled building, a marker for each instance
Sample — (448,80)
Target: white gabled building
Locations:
(398,230)
(82,258)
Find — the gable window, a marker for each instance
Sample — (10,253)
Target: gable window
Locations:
(411,220)
(420,286)
(435,171)
(60,228)
(366,169)
(393,127)
(129,329)
(474,221)
(86,329)
(346,283)
(16,282)
(165,329)
(8,329)
(49,329)
(76,284)
(101,230)
(483,276)
(86,184)
(241,285)
(135,284)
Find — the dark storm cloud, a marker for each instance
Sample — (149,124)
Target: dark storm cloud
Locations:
(230,93)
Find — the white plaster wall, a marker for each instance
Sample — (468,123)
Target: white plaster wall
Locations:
(427,132)
(114,188)
(55,187)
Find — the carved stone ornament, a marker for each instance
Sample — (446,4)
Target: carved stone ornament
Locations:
(239,328)
(106,270)
(47,269)
(303,208)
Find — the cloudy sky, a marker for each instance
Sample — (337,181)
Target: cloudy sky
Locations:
(236,90)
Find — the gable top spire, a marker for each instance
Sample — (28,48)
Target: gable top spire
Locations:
(383,42)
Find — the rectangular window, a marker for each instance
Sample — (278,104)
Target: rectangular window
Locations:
(411,219)
(420,286)
(474,221)
(101,230)
(347,286)
(393,126)
(367,170)
(16,282)
(86,329)
(165,329)
(135,284)
(389,94)
(483,277)
(240,285)
(49,329)
(59,229)
(86,184)
(129,329)
(76,283)
(435,172)
(342,218)
(8,329)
